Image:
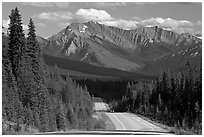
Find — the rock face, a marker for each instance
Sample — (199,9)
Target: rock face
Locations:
(43,42)
(113,47)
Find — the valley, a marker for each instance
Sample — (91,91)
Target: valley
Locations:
(87,72)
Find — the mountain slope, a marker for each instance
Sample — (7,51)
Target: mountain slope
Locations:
(85,68)
(105,46)
(176,60)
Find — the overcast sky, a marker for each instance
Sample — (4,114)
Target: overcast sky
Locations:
(52,17)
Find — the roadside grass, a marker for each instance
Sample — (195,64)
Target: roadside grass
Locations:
(103,122)
(173,130)
(100,122)
(109,124)
(10,128)
(13,132)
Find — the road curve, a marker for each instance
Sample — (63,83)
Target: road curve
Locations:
(101,106)
(128,121)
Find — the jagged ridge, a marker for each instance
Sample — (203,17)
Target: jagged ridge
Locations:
(113,47)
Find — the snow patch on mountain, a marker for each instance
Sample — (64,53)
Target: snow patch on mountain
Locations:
(199,37)
(71,49)
(83,28)
(151,40)
(194,54)
(58,43)
(84,56)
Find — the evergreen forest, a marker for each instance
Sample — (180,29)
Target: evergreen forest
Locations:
(33,97)
(174,99)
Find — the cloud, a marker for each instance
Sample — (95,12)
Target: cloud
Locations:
(105,18)
(6,23)
(93,15)
(56,16)
(179,26)
(184,30)
(47,4)
(25,27)
(83,15)
(166,22)
(136,18)
(62,19)
(80,15)
(120,23)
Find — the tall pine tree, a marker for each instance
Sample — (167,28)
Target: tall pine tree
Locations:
(16,41)
(40,97)
(11,105)
(32,49)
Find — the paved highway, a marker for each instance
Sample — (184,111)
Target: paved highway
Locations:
(127,121)
(101,106)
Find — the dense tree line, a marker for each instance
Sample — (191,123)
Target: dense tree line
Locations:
(175,98)
(32,95)
(105,88)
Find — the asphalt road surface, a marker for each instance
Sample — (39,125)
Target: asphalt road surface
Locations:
(101,106)
(127,121)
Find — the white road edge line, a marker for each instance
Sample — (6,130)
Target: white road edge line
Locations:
(119,122)
(143,122)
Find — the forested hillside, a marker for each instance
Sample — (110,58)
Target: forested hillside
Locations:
(174,99)
(33,97)
(120,67)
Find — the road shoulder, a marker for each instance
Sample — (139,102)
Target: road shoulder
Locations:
(109,124)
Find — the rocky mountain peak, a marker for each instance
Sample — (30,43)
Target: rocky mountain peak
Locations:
(110,46)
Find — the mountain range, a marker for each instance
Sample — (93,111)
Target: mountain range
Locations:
(145,49)
(93,48)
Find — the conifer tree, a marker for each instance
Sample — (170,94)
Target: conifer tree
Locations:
(11,102)
(16,41)
(32,49)
(40,96)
